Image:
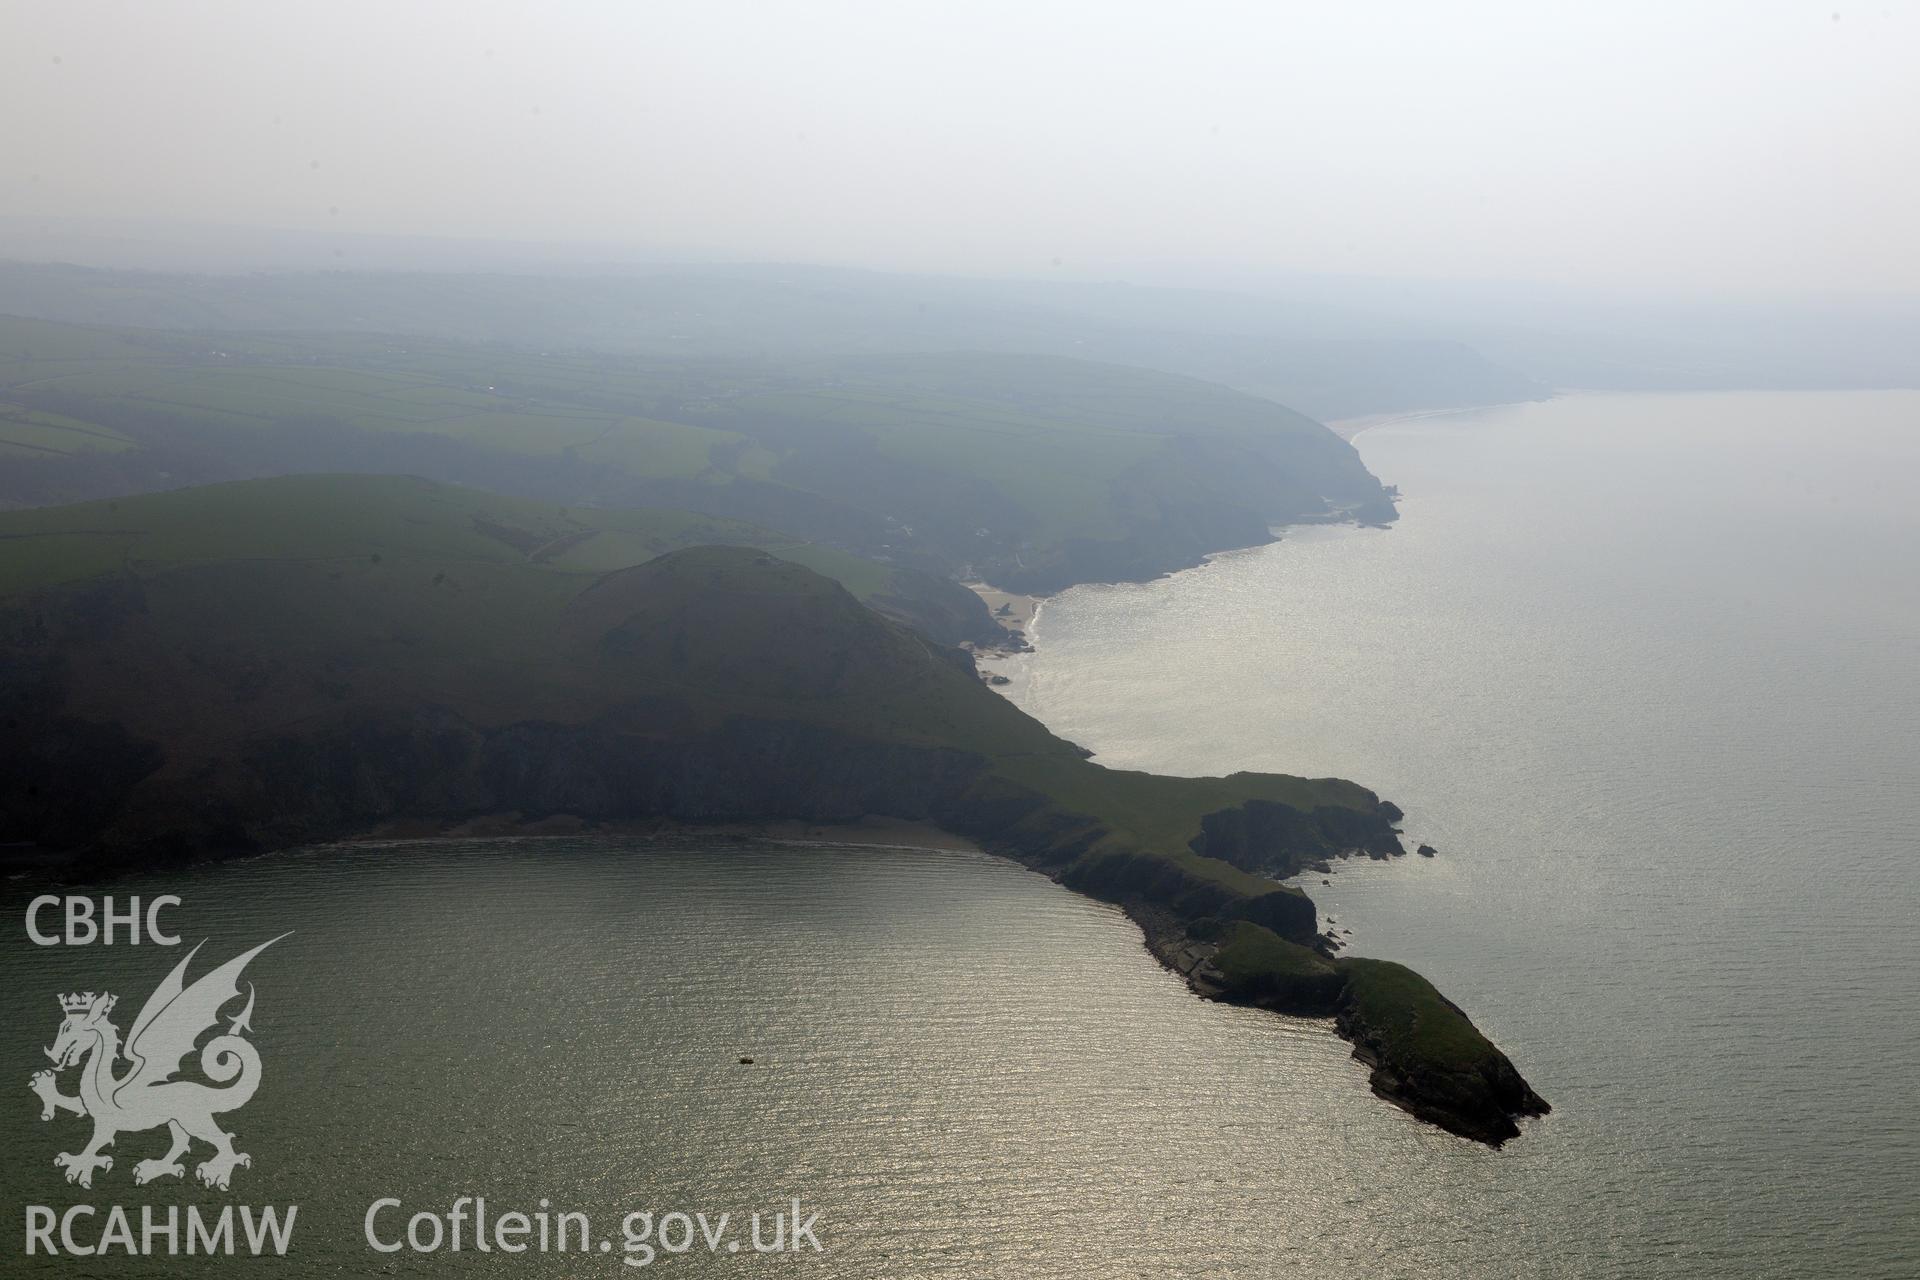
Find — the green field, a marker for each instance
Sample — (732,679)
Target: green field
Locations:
(374,387)
(35,433)
(396,521)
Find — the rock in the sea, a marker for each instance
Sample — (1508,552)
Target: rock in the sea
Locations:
(1426,851)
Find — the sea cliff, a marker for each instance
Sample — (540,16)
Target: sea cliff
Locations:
(165,712)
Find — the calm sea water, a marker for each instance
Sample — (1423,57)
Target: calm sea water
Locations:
(1646,669)
(1643,668)
(965,1070)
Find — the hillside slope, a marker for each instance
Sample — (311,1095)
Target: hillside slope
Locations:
(348,518)
(1031,472)
(174,700)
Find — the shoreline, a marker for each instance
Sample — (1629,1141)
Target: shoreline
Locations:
(1479,1096)
(1022,616)
(1018,621)
(1349,429)
(867,831)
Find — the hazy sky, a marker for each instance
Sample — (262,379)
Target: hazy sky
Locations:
(1747,145)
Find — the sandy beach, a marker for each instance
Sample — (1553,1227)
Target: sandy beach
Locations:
(1020,609)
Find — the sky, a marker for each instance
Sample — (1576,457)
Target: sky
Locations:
(1747,147)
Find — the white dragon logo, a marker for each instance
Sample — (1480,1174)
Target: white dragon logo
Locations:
(148,1096)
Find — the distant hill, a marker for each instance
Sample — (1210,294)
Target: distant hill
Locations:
(1328,346)
(270,663)
(1033,472)
(1313,358)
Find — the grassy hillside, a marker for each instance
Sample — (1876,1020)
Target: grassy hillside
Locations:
(359,592)
(1032,472)
(397,520)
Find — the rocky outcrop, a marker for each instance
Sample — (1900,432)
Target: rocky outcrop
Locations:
(1427,1056)
(1287,912)
(1274,839)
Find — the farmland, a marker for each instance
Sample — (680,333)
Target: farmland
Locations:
(1030,471)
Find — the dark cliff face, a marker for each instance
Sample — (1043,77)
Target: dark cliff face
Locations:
(1190,501)
(223,709)
(1279,840)
(342,779)
(1285,912)
(938,608)
(62,773)
(208,711)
